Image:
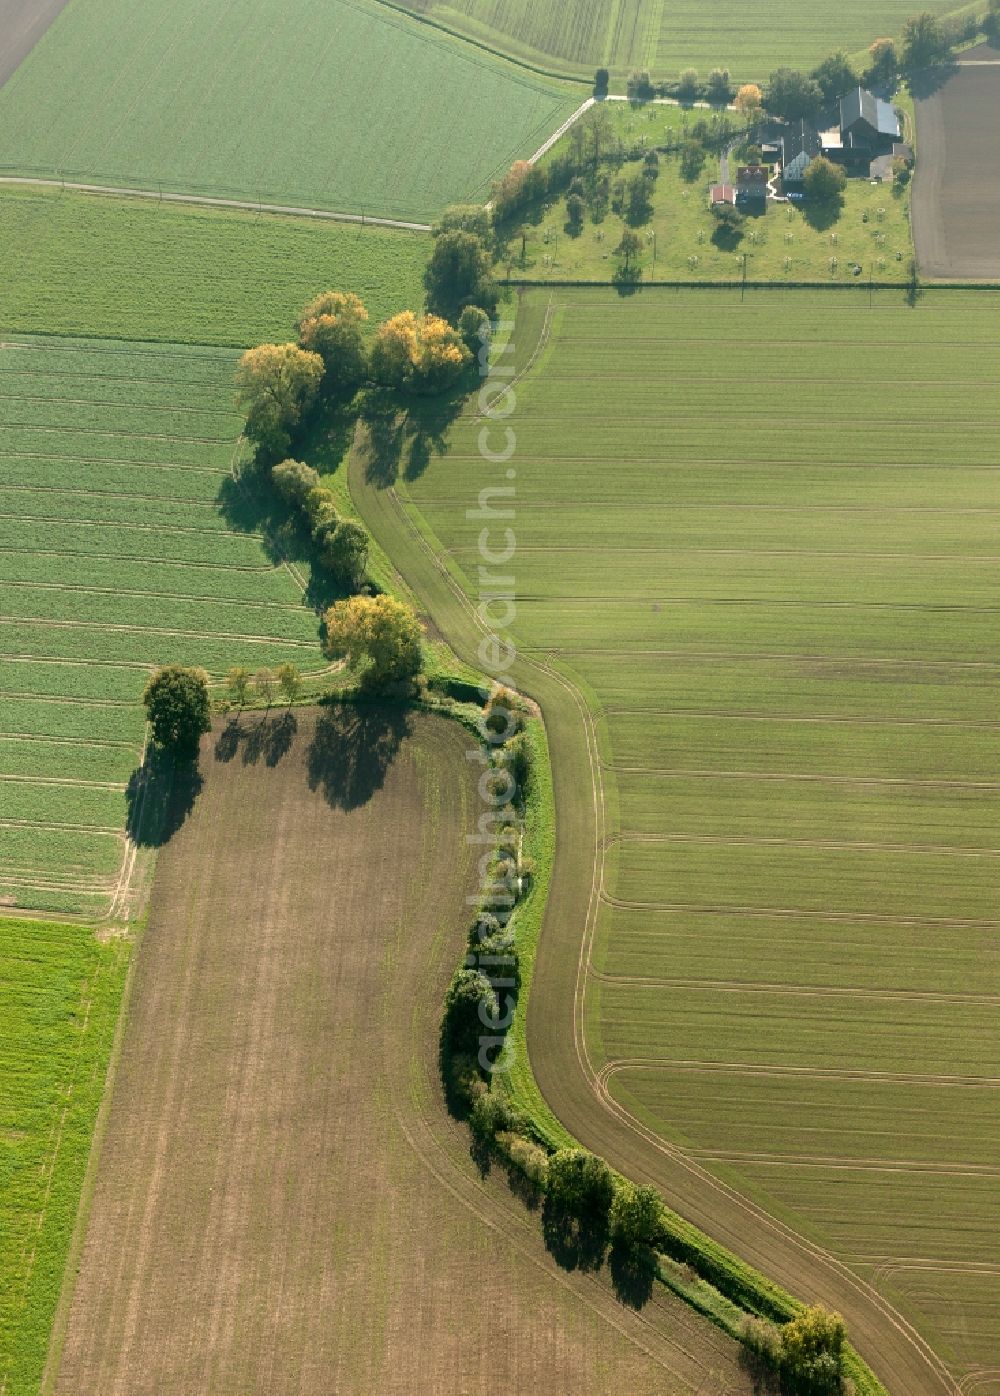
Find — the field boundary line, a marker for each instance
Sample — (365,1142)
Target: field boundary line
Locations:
(799,913)
(209,201)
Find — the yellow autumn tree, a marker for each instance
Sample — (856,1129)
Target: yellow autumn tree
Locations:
(332,325)
(422,354)
(378,636)
(749,100)
(275,385)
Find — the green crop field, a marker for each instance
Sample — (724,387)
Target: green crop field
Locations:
(76,264)
(115,556)
(760,538)
(335,104)
(669,35)
(59,996)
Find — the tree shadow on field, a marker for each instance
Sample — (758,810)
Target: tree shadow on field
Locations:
(352,749)
(402,437)
(822,214)
(765,1380)
(575,1243)
(263,736)
(930,80)
(159,797)
(633,1272)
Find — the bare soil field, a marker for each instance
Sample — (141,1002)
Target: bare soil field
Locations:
(956,190)
(22,24)
(282,1203)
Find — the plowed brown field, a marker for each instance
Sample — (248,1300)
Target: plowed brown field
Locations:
(283,1204)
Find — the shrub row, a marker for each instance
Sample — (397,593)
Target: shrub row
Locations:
(341,544)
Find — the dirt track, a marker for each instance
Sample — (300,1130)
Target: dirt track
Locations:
(22,24)
(282,1203)
(956,189)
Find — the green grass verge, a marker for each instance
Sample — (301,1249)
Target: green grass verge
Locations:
(59,998)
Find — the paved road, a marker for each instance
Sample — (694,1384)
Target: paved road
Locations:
(251,205)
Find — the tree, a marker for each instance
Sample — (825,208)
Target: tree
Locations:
(275,385)
(575,210)
(924,42)
(238,684)
(835,76)
(824,181)
(289,681)
(466,218)
(991,23)
(640,85)
(688,85)
(475,328)
(294,481)
(717,87)
(883,61)
(580,1183)
(749,101)
(263,681)
(629,248)
(693,156)
(345,551)
(812,1350)
(470,1006)
(636,1215)
(459,273)
(332,325)
(378,636)
(420,355)
(792,96)
(639,203)
(601,80)
(178,707)
(599,129)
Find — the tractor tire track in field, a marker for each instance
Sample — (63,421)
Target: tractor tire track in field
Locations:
(829,845)
(888,1341)
(752,715)
(712,656)
(199,563)
(821,778)
(753,986)
(204,201)
(800,913)
(44,623)
(823,1073)
(80,588)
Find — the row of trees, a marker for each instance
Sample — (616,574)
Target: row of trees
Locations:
(792,95)
(341,544)
(807,1352)
(378,636)
(280,386)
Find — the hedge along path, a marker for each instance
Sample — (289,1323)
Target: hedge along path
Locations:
(560,1061)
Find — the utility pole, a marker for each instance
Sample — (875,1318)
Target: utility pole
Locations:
(743,288)
(871,285)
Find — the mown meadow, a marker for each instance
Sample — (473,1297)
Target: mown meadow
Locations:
(59,996)
(78,264)
(759,537)
(334,104)
(116,555)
